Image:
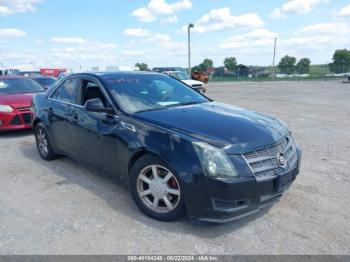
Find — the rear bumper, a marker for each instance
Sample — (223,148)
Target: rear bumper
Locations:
(15,120)
(236,198)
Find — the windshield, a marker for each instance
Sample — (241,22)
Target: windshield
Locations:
(136,93)
(45,81)
(180,75)
(17,86)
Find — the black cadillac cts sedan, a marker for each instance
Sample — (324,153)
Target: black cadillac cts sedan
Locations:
(179,151)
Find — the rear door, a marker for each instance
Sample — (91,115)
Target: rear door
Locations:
(60,113)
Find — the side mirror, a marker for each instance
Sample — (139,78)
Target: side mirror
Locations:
(96,105)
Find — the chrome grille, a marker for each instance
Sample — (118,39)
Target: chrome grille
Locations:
(263,162)
(21,109)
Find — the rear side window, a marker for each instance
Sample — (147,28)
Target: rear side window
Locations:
(67,91)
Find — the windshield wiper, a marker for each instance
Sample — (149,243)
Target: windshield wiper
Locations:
(150,109)
(170,106)
(189,103)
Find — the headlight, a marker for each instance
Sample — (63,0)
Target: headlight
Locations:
(7,109)
(215,162)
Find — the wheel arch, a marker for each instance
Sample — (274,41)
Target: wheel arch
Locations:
(36,122)
(141,153)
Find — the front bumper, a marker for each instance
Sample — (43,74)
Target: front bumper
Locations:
(15,120)
(231,199)
(199,89)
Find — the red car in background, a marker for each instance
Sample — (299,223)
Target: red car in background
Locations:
(16,95)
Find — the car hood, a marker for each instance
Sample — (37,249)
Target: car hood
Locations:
(192,82)
(17,100)
(235,129)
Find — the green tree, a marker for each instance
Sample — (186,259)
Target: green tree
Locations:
(303,66)
(142,66)
(196,68)
(287,65)
(341,61)
(230,63)
(207,63)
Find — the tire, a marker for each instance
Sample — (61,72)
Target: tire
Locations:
(43,143)
(165,189)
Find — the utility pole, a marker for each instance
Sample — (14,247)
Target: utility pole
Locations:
(189,47)
(273,62)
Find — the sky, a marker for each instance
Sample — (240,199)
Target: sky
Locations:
(82,34)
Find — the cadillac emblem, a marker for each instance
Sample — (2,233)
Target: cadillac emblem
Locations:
(282,160)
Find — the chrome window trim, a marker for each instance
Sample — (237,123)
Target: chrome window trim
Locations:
(65,102)
(82,77)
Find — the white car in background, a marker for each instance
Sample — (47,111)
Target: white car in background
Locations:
(185,78)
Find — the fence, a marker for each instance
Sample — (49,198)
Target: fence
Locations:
(314,72)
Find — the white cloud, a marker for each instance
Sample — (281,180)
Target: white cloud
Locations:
(88,46)
(345,11)
(9,7)
(326,28)
(257,38)
(295,6)
(277,13)
(132,53)
(160,38)
(68,40)
(10,33)
(169,20)
(221,19)
(321,36)
(316,41)
(138,32)
(148,35)
(160,7)
(144,15)
(89,53)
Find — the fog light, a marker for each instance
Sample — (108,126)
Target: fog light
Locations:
(0,123)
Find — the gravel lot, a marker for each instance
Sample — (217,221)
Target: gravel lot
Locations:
(63,207)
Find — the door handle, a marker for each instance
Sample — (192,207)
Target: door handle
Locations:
(48,109)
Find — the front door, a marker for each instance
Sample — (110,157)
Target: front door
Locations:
(95,135)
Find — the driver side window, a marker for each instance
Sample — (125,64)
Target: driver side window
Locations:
(91,90)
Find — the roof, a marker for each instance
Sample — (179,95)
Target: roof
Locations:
(117,73)
(5,77)
(41,77)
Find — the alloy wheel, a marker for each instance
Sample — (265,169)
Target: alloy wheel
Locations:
(158,189)
(42,142)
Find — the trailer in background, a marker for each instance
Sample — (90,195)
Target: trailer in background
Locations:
(53,72)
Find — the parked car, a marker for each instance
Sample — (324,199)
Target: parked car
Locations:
(169,68)
(4,72)
(15,100)
(30,74)
(184,77)
(179,151)
(204,78)
(45,82)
